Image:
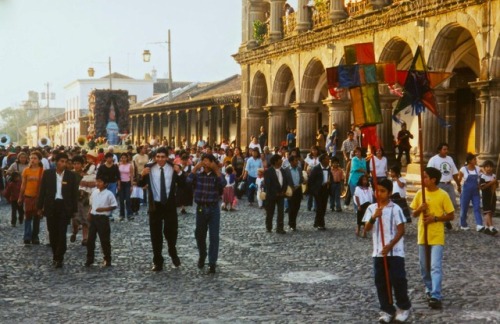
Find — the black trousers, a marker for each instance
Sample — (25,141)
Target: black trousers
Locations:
(99,225)
(270,207)
(16,209)
(321,202)
(294,206)
(57,224)
(163,222)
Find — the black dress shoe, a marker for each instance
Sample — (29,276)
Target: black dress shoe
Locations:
(176,261)
(89,263)
(106,263)
(211,268)
(201,263)
(27,242)
(321,228)
(269,230)
(157,267)
(59,264)
(36,242)
(72,239)
(293,229)
(281,231)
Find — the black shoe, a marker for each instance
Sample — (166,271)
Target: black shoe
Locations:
(35,241)
(84,242)
(211,268)
(176,261)
(58,264)
(281,231)
(106,263)
(89,263)
(201,263)
(27,242)
(435,303)
(293,229)
(269,230)
(183,211)
(157,267)
(338,210)
(321,228)
(286,210)
(448,225)
(72,239)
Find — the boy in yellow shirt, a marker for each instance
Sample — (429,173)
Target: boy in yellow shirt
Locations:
(435,211)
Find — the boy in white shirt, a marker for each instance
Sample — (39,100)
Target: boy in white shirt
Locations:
(102,202)
(391,246)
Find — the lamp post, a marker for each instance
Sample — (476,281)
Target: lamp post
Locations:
(91,72)
(146,57)
(49,96)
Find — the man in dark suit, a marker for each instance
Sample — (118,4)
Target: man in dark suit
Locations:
(162,179)
(275,185)
(319,186)
(57,201)
(295,180)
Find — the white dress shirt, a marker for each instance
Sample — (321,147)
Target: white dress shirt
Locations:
(59,180)
(280,176)
(154,179)
(325,174)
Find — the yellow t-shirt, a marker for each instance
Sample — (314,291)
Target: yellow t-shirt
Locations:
(439,205)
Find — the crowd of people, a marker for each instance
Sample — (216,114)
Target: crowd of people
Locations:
(86,188)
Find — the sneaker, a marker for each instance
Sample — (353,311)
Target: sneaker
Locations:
(487,231)
(494,231)
(385,317)
(480,229)
(465,228)
(402,315)
(435,303)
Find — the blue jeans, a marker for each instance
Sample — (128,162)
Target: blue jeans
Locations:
(124,196)
(31,232)
(251,191)
(335,191)
(432,280)
(208,219)
(470,192)
(397,278)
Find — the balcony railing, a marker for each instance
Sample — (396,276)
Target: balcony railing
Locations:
(355,8)
(289,24)
(321,17)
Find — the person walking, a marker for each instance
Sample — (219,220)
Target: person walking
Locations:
(275,185)
(208,186)
(319,186)
(58,200)
(162,179)
(125,185)
(250,175)
(296,180)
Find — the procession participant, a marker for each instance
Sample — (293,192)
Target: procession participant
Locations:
(275,185)
(296,180)
(208,185)
(403,143)
(80,216)
(319,186)
(58,202)
(162,179)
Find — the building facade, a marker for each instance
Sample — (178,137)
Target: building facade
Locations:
(284,80)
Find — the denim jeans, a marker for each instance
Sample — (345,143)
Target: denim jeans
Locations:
(335,192)
(124,198)
(208,219)
(251,191)
(397,278)
(432,280)
(470,192)
(31,233)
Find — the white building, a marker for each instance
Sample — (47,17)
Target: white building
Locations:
(77,99)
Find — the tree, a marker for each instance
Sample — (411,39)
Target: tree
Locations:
(14,122)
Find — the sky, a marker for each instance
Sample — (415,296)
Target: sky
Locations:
(56,41)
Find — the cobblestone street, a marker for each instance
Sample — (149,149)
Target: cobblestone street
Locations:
(306,276)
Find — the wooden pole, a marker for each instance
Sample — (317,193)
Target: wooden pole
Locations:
(421,153)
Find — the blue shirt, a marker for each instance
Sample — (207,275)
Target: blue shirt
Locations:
(295,176)
(253,165)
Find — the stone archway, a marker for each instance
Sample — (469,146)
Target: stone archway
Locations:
(495,61)
(454,50)
(398,51)
(257,116)
(281,116)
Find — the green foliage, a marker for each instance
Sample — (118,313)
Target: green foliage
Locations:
(259,31)
(14,122)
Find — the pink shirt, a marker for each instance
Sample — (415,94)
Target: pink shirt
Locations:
(124,172)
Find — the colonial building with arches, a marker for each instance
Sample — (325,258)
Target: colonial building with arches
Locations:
(284,80)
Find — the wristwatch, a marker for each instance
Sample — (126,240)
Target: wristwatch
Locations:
(435,219)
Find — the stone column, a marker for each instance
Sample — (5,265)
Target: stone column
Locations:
(199,128)
(145,128)
(211,133)
(257,11)
(160,120)
(489,99)
(169,123)
(237,107)
(303,19)
(256,117)
(307,115)
(153,127)
(339,112)
(276,20)
(188,127)
(433,132)
(223,119)
(451,117)
(178,135)
(337,10)
(277,124)
(384,130)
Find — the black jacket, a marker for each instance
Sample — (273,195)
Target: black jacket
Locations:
(315,181)
(272,185)
(48,189)
(177,181)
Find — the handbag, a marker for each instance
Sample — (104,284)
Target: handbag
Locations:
(289,191)
(262,195)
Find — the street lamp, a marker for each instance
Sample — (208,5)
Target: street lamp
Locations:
(146,57)
(91,72)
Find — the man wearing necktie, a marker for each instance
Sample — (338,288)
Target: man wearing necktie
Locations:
(162,179)
(319,186)
(275,184)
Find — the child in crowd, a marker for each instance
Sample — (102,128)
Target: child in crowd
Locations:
(363,197)
(80,217)
(135,198)
(336,185)
(102,202)
(469,177)
(228,192)
(399,191)
(390,244)
(11,193)
(488,183)
(259,182)
(434,211)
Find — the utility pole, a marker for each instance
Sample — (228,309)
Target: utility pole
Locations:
(48,109)
(169,67)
